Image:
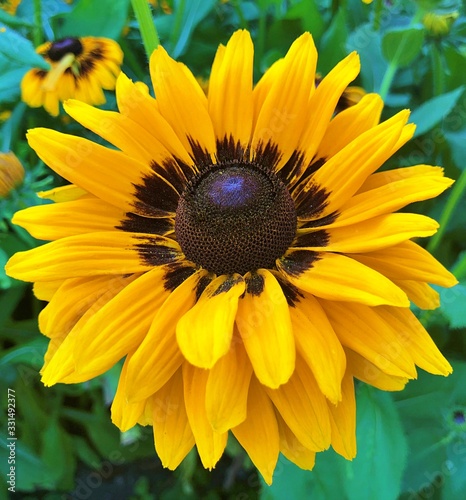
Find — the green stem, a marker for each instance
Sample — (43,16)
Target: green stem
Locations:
(147,27)
(438,75)
(377,15)
(132,61)
(262,28)
(388,79)
(37,37)
(178,23)
(242,20)
(392,68)
(448,211)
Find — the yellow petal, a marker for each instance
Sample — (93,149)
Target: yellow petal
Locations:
(59,220)
(140,107)
(262,89)
(367,372)
(391,197)
(227,388)
(323,103)
(343,420)
(380,179)
(125,415)
(61,365)
(181,101)
(293,449)
(74,298)
(112,252)
(338,277)
(210,444)
(204,333)
(45,290)
(122,324)
(421,294)
(172,433)
(230,89)
(361,157)
(284,112)
(416,340)
(380,232)
(106,173)
(304,408)
(349,124)
(319,346)
(361,329)
(258,434)
(265,327)
(63,193)
(408,261)
(158,356)
(128,136)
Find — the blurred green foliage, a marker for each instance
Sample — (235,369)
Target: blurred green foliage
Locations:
(412,445)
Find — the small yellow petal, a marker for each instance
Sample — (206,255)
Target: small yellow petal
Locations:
(338,277)
(172,433)
(210,444)
(367,372)
(343,420)
(265,326)
(201,343)
(158,356)
(319,346)
(227,388)
(304,408)
(125,415)
(258,434)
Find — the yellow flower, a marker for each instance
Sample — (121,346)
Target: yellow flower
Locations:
(11,173)
(240,251)
(80,68)
(439,24)
(9,6)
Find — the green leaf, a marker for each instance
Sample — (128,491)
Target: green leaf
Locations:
(105,18)
(10,83)
(18,49)
(431,112)
(57,454)
(333,43)
(31,354)
(377,470)
(30,471)
(368,45)
(189,15)
(426,407)
(453,302)
(289,481)
(457,142)
(311,19)
(401,46)
(454,472)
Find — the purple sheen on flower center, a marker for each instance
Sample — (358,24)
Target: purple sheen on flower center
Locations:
(60,48)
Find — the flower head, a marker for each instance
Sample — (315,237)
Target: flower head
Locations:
(9,6)
(11,173)
(240,251)
(80,68)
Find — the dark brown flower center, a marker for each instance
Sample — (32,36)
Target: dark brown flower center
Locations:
(64,46)
(235,218)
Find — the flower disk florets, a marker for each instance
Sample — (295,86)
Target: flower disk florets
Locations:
(235,218)
(64,46)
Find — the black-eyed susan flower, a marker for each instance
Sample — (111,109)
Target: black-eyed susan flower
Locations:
(11,173)
(9,6)
(80,68)
(241,253)
(439,24)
